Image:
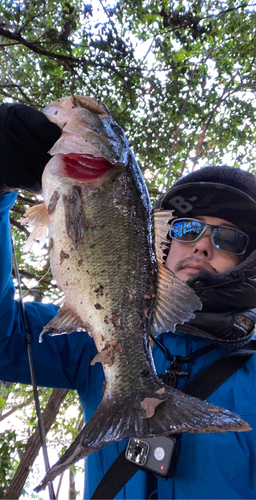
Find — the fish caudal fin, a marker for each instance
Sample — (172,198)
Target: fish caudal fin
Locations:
(163,412)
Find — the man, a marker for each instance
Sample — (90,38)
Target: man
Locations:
(212,242)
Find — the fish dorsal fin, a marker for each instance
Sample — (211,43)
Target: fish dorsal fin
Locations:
(66,321)
(175,301)
(38,217)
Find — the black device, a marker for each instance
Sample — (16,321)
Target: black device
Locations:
(157,454)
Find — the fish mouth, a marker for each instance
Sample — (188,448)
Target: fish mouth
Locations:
(85,167)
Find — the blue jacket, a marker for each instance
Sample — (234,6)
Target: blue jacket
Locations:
(213,466)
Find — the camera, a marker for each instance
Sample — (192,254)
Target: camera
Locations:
(158,454)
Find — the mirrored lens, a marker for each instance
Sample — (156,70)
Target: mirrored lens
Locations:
(229,240)
(186,230)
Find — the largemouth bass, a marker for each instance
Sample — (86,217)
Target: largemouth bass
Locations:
(115,283)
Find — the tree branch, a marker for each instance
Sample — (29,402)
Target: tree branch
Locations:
(6,94)
(17,210)
(31,276)
(33,445)
(13,410)
(15,85)
(20,226)
(27,201)
(210,116)
(53,55)
(178,126)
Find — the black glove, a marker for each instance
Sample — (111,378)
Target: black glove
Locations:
(26,136)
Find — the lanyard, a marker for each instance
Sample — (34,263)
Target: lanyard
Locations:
(175,371)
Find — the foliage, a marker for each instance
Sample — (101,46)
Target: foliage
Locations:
(178,76)
(10,452)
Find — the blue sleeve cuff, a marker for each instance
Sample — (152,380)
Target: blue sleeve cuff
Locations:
(7,200)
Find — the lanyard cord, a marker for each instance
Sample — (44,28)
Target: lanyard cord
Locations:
(174,371)
(194,355)
(32,373)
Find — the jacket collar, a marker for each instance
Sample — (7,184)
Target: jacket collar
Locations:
(228,315)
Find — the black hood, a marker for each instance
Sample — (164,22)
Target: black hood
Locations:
(228,315)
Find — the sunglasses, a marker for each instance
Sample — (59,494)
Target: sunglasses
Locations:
(225,238)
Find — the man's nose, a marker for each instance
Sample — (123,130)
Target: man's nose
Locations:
(204,246)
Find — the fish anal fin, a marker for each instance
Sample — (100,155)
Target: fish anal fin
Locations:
(175,302)
(66,321)
(36,216)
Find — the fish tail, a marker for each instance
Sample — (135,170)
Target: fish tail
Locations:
(160,413)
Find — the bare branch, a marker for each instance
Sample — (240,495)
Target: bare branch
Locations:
(17,210)
(19,226)
(13,410)
(27,201)
(31,276)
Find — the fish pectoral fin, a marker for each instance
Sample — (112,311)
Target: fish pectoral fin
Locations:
(36,216)
(66,321)
(175,302)
(162,219)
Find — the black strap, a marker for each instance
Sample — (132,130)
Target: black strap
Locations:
(208,381)
(202,386)
(116,477)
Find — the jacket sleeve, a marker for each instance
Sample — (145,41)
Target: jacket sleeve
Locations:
(62,361)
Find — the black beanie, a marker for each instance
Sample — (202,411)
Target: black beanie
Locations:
(26,136)
(224,192)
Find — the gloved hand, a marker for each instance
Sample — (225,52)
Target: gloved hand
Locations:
(26,136)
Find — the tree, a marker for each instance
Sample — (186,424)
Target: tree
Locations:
(179,77)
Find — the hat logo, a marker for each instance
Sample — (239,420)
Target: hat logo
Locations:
(182,205)
(244,323)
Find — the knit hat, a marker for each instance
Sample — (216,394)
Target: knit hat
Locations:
(224,192)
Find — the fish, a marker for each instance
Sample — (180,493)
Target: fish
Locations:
(107,256)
